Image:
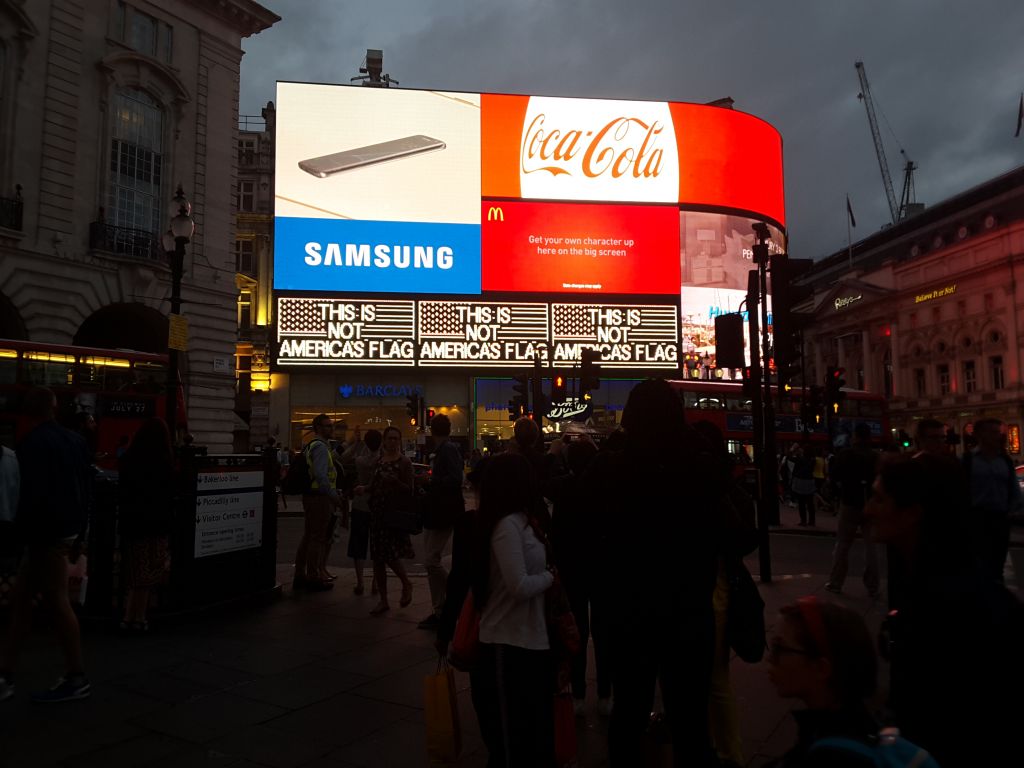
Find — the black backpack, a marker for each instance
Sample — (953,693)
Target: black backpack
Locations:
(298,480)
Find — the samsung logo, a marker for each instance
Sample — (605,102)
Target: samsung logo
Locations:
(380,256)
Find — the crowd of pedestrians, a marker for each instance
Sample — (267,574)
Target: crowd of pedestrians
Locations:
(642,538)
(652,504)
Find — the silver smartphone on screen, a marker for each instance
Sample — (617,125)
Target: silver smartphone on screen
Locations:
(369,155)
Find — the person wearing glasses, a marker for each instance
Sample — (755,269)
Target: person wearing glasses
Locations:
(824,655)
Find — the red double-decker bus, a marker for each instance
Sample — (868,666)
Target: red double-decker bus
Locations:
(723,404)
(119,388)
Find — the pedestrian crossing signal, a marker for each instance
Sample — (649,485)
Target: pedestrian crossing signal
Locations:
(558,393)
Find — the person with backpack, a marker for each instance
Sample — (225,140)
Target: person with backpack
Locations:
(853,471)
(824,655)
(319,499)
(995,493)
(954,641)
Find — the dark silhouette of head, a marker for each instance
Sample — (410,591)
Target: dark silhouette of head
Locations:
(653,417)
(40,404)
(440,426)
(372,439)
(151,444)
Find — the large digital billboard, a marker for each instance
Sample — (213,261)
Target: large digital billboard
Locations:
(477,223)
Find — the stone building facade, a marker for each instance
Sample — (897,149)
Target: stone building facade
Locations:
(254,266)
(929,312)
(105,107)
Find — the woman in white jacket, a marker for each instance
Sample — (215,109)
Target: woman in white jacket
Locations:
(512,575)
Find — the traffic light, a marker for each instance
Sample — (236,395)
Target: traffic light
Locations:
(412,407)
(588,370)
(834,383)
(749,385)
(786,340)
(813,409)
(558,394)
(905,441)
(431,413)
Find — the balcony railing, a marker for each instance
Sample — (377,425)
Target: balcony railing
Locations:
(253,160)
(124,241)
(12,210)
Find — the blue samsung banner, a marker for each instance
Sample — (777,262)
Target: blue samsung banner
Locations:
(376,256)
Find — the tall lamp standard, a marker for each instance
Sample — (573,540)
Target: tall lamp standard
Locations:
(174,241)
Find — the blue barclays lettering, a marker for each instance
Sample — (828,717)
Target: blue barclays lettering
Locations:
(380,390)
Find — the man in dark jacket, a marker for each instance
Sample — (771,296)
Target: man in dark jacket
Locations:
(445,505)
(52,519)
(853,471)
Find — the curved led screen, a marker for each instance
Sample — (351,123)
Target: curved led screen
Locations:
(486,229)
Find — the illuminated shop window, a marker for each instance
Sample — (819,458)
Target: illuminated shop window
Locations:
(1013,438)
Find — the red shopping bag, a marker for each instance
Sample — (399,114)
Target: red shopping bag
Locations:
(565,731)
(466,642)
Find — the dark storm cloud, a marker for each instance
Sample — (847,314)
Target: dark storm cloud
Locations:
(946,75)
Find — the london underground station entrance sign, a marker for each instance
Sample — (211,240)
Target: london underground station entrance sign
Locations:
(425,228)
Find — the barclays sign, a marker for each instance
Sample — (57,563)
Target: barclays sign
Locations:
(379,390)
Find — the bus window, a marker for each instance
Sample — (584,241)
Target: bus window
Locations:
(739,404)
(872,409)
(110,374)
(48,369)
(8,366)
(150,377)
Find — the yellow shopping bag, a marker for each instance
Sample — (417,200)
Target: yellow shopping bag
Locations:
(441,712)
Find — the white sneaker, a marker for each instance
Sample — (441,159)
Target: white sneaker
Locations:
(604,707)
(577,707)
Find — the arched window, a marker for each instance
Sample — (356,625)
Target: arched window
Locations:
(136,161)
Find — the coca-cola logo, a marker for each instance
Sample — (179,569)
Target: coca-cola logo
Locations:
(623,146)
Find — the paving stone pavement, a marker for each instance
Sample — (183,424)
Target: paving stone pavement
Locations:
(302,680)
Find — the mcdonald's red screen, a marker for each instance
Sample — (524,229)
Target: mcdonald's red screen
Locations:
(580,248)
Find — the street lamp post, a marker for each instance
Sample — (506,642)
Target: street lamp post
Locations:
(174,241)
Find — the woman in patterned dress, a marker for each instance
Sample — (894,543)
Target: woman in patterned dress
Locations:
(388,547)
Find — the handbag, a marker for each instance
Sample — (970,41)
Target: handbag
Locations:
(744,625)
(400,509)
(566,749)
(563,632)
(465,648)
(441,715)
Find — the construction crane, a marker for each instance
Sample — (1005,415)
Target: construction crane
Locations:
(907,203)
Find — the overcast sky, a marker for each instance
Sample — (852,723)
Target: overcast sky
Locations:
(946,75)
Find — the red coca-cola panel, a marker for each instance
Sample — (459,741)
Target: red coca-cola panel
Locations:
(580,248)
